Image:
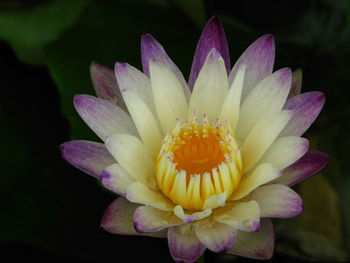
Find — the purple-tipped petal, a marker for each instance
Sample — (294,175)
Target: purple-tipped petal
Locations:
(306,108)
(105,84)
(149,219)
(256,245)
(183,244)
(103,117)
(152,50)
(215,236)
(90,157)
(117,218)
(296,83)
(276,200)
(311,163)
(116,179)
(213,36)
(259,58)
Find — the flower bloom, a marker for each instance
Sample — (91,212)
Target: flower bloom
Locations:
(206,163)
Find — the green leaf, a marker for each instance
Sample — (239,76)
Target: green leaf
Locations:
(28,29)
(107,33)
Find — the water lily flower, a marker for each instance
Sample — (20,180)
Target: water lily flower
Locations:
(205,163)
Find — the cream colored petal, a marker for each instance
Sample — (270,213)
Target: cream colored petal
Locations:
(139,193)
(133,157)
(257,245)
(116,179)
(149,219)
(261,137)
(190,216)
(215,201)
(267,97)
(263,174)
(241,215)
(285,151)
(231,106)
(210,89)
(169,96)
(216,236)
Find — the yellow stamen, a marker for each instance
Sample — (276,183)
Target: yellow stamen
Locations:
(197,162)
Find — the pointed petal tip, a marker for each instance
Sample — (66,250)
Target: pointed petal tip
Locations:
(120,66)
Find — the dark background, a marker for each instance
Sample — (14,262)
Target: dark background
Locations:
(51,212)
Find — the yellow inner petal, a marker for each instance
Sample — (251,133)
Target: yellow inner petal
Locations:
(197,162)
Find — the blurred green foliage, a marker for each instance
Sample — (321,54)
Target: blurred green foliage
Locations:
(52,205)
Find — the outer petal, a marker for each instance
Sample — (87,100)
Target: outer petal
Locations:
(90,157)
(105,84)
(149,219)
(137,93)
(232,103)
(116,179)
(103,117)
(259,58)
(306,108)
(261,137)
(151,49)
(257,245)
(240,215)
(169,98)
(215,236)
(296,83)
(133,157)
(263,174)
(213,36)
(311,163)
(276,200)
(267,97)
(117,218)
(183,244)
(210,88)
(285,151)
(139,193)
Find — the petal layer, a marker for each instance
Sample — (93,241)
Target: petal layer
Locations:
(256,245)
(105,84)
(133,157)
(276,200)
(306,108)
(213,36)
(183,244)
(103,117)
(296,83)
(152,50)
(148,219)
(90,157)
(210,88)
(215,236)
(259,58)
(116,179)
(311,163)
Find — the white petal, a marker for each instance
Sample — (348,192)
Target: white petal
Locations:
(169,96)
(190,216)
(267,97)
(210,89)
(149,219)
(263,174)
(285,151)
(139,193)
(261,137)
(257,245)
(215,236)
(103,117)
(137,93)
(133,157)
(116,179)
(230,109)
(241,215)
(276,200)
